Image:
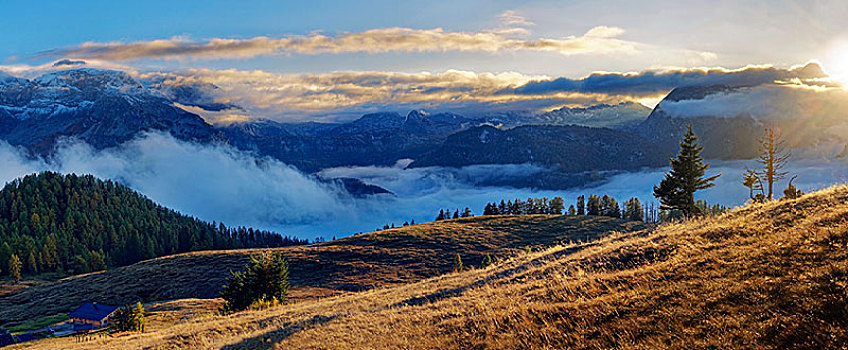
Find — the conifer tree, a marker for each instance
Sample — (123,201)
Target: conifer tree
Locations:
(571,210)
(557,204)
(593,205)
(138,320)
(581,205)
(773,157)
(265,278)
(457,263)
(456,214)
(677,190)
(15,268)
(609,207)
(121,319)
(32,263)
(441,215)
(487,261)
(466,212)
(633,210)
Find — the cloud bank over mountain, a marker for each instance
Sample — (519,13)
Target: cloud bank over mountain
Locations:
(652,82)
(217,183)
(238,95)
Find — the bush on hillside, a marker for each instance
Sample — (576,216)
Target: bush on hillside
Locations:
(264,282)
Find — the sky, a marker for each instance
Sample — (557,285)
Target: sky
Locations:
(294,60)
(332,61)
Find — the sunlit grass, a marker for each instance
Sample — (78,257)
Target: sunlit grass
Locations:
(763,276)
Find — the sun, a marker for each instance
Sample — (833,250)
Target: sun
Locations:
(836,62)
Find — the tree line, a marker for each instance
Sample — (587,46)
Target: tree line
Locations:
(445,214)
(543,205)
(75,224)
(595,205)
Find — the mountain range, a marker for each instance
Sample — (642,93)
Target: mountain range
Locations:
(103,108)
(106,108)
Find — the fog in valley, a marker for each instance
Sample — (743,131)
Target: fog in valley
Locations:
(218,183)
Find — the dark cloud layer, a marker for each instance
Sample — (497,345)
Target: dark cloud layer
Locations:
(648,83)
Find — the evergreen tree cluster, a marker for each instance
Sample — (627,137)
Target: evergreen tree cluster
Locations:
(78,224)
(130,318)
(596,205)
(542,205)
(445,214)
(264,282)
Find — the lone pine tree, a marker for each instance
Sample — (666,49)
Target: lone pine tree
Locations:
(677,189)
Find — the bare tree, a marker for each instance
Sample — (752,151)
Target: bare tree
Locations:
(773,157)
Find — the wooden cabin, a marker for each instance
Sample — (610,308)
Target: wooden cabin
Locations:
(91,316)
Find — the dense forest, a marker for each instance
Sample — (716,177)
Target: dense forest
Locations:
(76,224)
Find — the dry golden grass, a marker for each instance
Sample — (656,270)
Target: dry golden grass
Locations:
(356,263)
(771,276)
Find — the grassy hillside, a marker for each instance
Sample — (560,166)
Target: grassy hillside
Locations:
(355,263)
(770,276)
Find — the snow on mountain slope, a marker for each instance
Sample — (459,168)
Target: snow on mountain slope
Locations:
(101,107)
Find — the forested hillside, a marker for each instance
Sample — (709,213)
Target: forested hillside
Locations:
(77,224)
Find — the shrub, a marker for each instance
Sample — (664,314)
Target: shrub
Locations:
(487,261)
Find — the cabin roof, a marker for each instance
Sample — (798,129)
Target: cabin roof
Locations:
(93,311)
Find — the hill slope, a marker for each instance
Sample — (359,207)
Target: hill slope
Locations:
(565,148)
(767,276)
(356,263)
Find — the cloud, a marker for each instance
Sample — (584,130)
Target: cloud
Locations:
(67,62)
(339,96)
(223,96)
(511,18)
(511,23)
(345,95)
(330,96)
(31,71)
(422,191)
(598,40)
(651,82)
(814,119)
(213,182)
(216,182)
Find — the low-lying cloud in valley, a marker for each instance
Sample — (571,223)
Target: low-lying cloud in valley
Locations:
(218,183)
